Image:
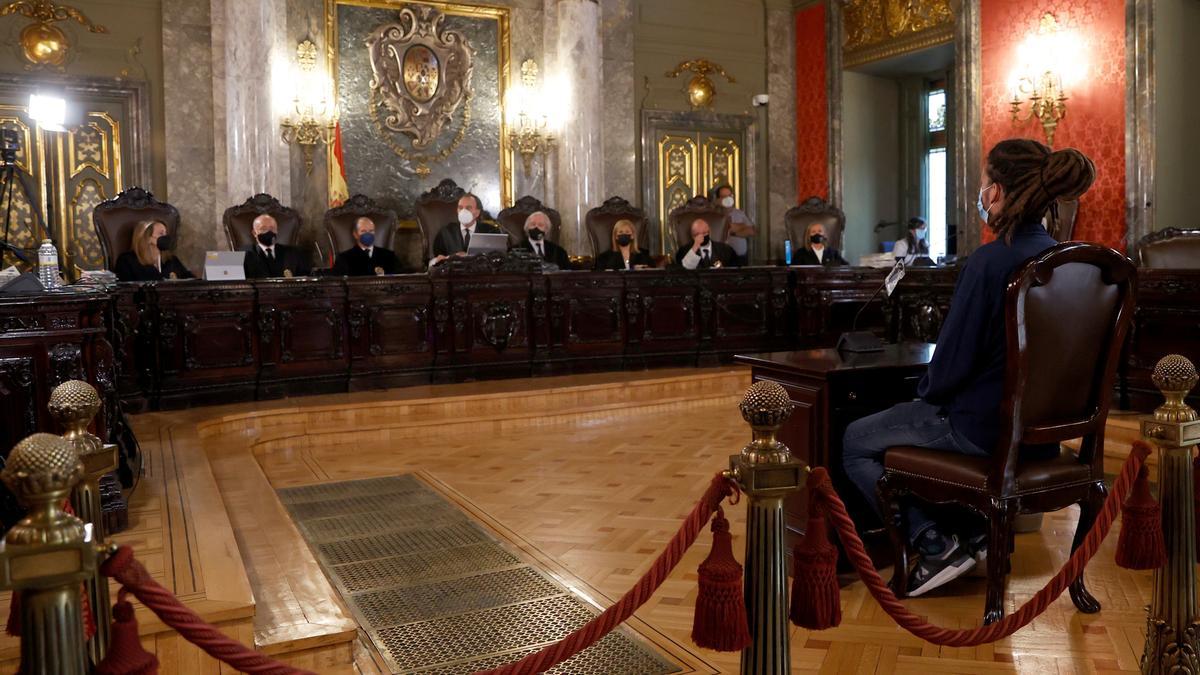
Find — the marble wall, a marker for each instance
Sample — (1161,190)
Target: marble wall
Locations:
(780,152)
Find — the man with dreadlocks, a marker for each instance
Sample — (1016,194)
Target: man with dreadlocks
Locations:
(960,405)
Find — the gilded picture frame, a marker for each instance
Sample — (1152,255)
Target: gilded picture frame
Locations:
(501,15)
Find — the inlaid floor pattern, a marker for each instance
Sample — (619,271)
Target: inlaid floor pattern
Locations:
(435,592)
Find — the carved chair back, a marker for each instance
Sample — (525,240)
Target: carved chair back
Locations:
(814,210)
(1172,248)
(116,219)
(340,220)
(599,222)
(512,219)
(681,218)
(239,221)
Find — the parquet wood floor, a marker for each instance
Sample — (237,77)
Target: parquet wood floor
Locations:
(593,476)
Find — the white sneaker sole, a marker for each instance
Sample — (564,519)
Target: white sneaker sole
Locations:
(948,574)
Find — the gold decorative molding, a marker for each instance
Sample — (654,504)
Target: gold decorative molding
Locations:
(42,42)
(700,89)
(879,29)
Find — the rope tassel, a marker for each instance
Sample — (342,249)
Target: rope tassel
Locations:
(816,599)
(126,656)
(720,621)
(1141,545)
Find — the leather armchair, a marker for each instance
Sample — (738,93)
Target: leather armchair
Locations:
(436,208)
(814,210)
(115,219)
(1067,313)
(1172,248)
(681,218)
(599,222)
(238,221)
(339,223)
(512,219)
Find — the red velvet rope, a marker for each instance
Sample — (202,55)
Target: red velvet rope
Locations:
(819,480)
(123,567)
(601,625)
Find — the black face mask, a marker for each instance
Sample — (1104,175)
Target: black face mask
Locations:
(266,238)
(535,234)
(624,239)
(706,241)
(164,243)
(817,239)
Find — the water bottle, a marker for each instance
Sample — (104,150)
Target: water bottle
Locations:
(787,251)
(48,265)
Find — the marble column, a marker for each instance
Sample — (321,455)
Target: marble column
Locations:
(620,111)
(780,146)
(580,153)
(257,64)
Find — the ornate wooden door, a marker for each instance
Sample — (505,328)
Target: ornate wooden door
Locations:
(68,173)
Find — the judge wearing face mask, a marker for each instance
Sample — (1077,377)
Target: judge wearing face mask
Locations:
(149,256)
(624,254)
(266,258)
(739,225)
(537,228)
(913,245)
(702,252)
(816,250)
(455,238)
(365,258)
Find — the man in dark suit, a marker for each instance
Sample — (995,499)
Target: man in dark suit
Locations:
(455,238)
(702,252)
(365,258)
(816,250)
(537,228)
(265,258)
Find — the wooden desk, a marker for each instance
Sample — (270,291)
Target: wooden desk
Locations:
(831,390)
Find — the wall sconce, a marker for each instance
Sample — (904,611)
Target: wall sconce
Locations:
(315,119)
(1051,61)
(530,131)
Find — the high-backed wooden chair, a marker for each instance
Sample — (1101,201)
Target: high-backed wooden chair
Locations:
(1064,228)
(814,210)
(340,220)
(238,221)
(1172,248)
(599,222)
(1066,316)
(681,218)
(512,219)
(436,208)
(116,218)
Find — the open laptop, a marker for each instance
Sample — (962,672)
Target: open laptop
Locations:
(483,242)
(224,265)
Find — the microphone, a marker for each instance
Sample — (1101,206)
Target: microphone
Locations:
(865,341)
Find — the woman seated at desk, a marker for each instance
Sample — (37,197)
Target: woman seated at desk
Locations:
(960,405)
(913,245)
(816,249)
(624,254)
(149,256)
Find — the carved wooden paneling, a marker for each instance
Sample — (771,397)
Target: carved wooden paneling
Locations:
(17,399)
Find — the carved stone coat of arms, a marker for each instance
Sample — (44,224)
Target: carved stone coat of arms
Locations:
(421,73)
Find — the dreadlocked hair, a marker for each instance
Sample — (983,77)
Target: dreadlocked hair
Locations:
(1034,178)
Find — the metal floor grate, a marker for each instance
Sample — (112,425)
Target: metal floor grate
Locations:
(437,593)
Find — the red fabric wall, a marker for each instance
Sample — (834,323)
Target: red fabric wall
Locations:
(812,105)
(1095,121)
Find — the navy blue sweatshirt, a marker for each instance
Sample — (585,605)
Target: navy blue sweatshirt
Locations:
(966,375)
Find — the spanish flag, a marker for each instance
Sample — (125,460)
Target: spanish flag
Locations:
(339,192)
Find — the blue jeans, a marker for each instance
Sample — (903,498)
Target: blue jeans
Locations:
(914,423)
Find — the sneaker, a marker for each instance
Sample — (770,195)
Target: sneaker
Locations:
(978,547)
(939,569)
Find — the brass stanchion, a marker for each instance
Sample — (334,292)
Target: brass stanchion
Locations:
(73,405)
(766,471)
(1172,632)
(47,556)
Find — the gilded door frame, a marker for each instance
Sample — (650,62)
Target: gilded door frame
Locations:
(131,142)
(654,121)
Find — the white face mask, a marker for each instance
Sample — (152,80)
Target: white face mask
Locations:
(465,217)
(727,202)
(983,212)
